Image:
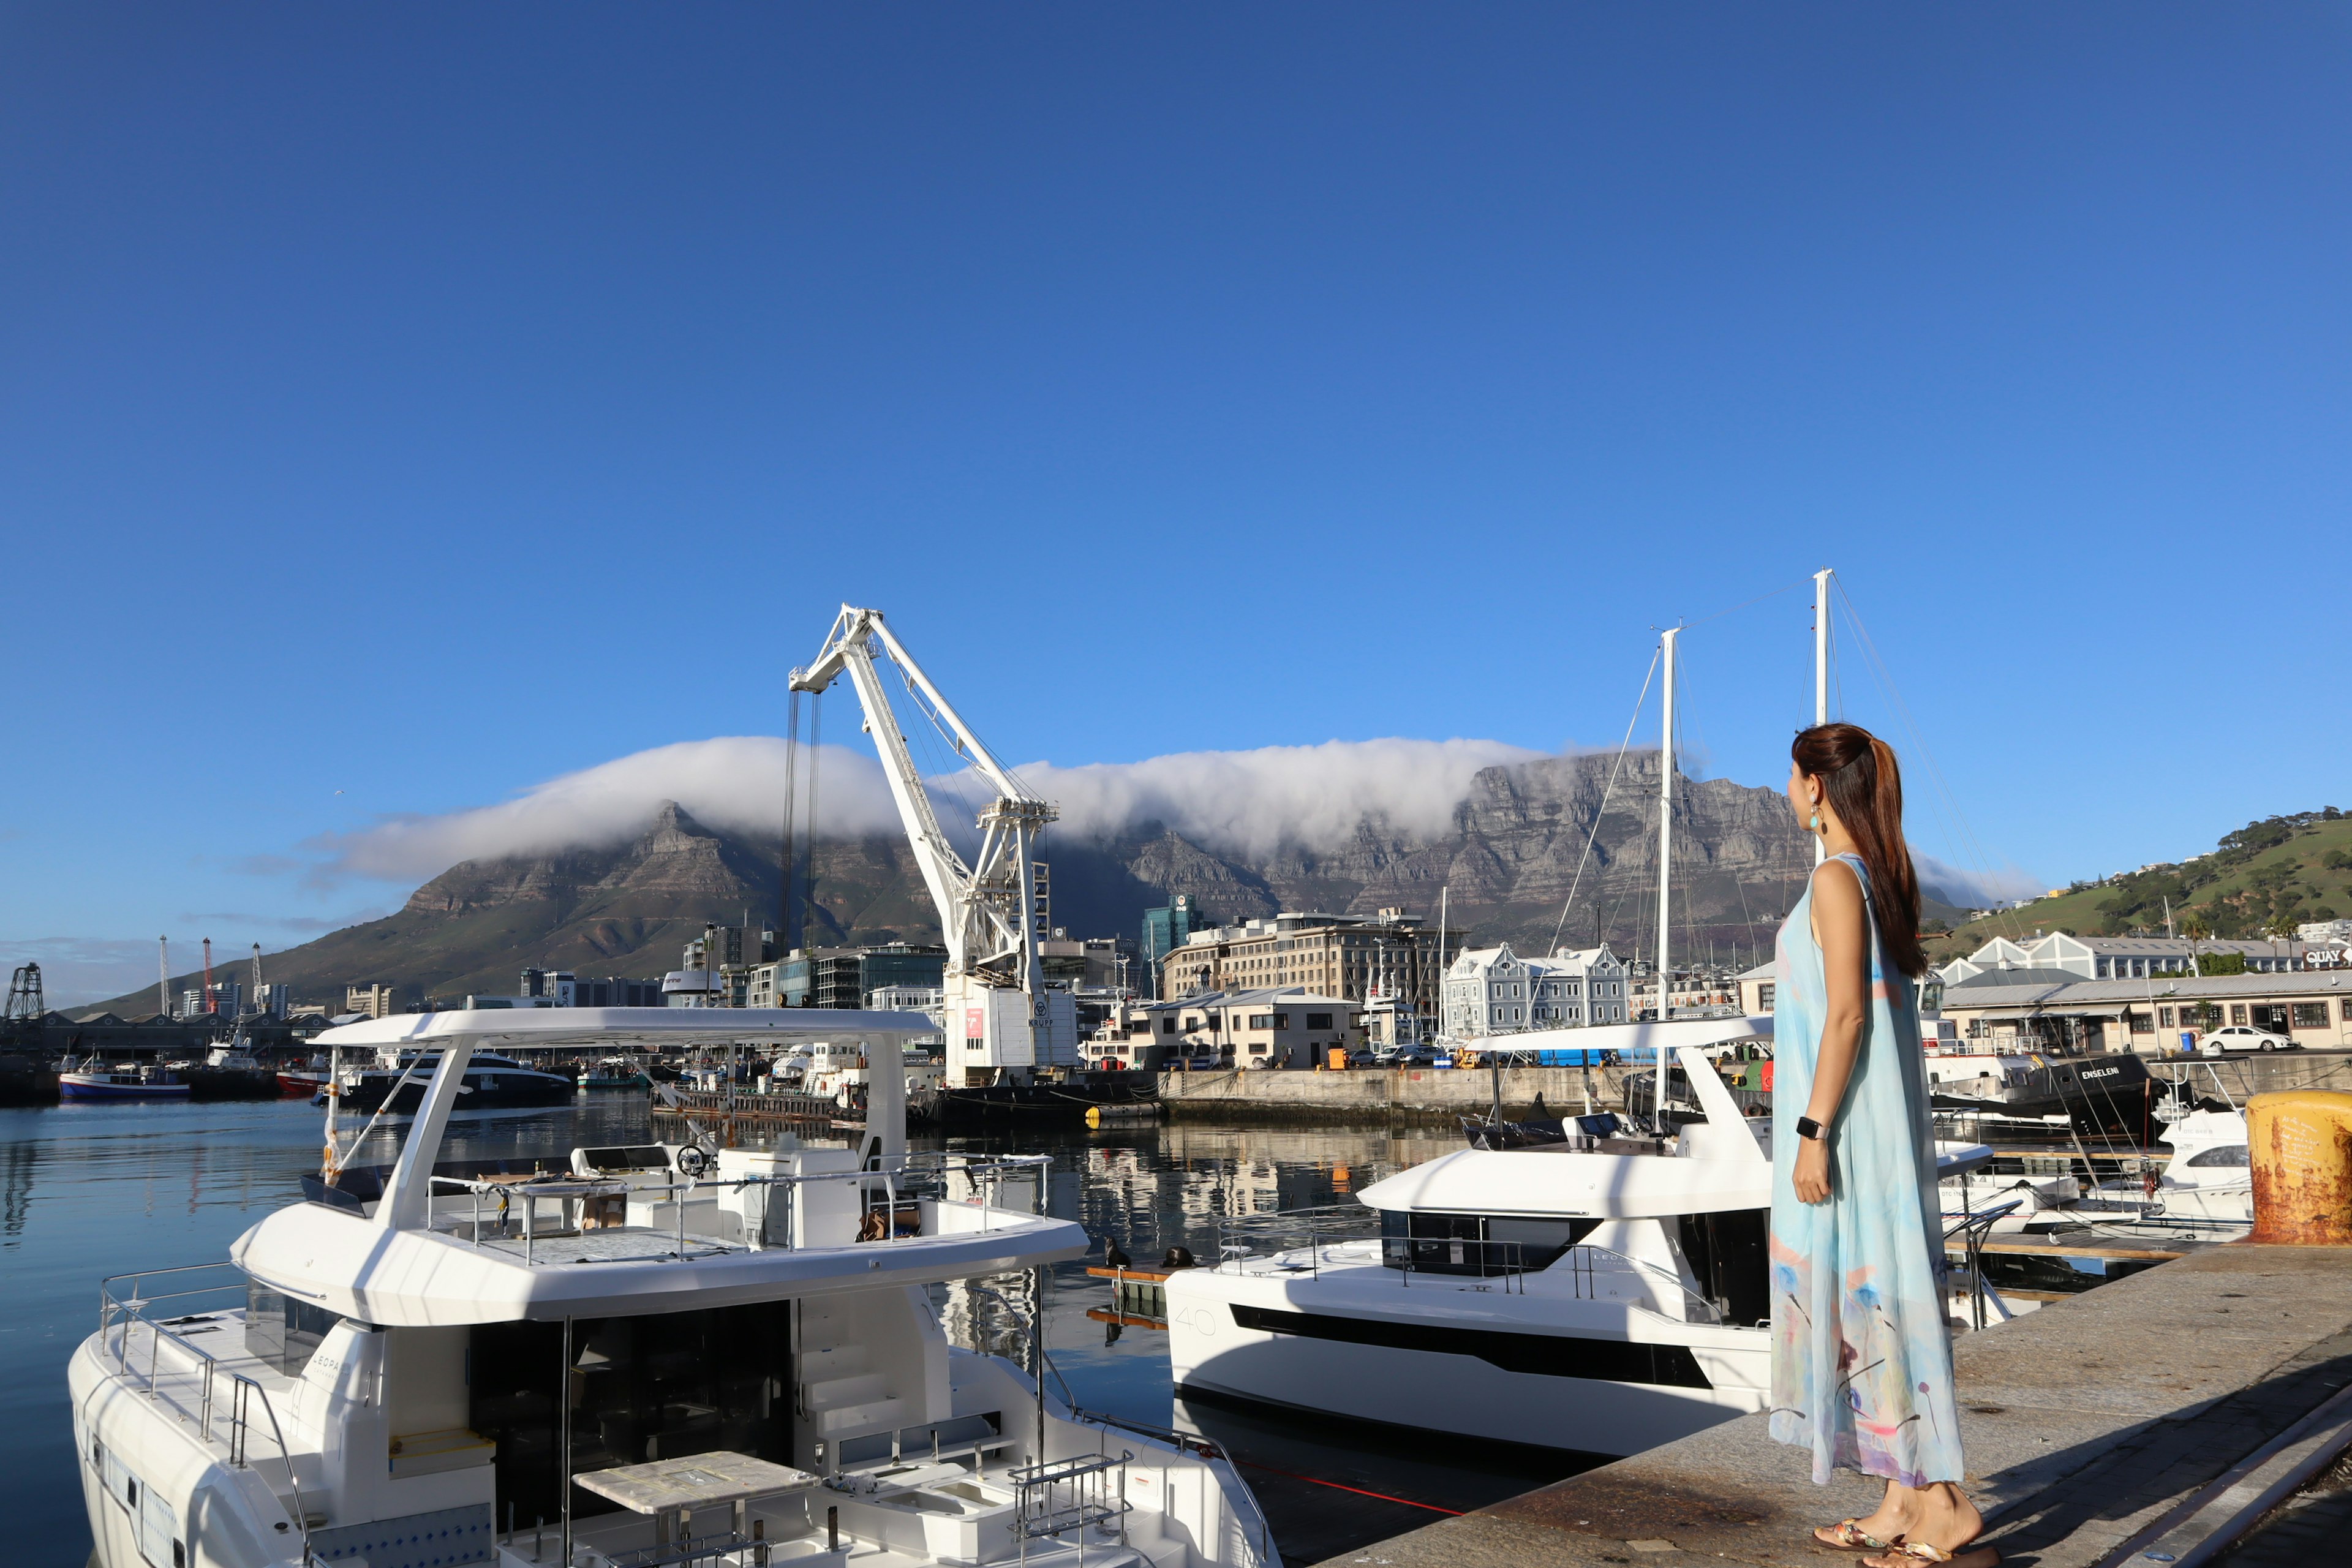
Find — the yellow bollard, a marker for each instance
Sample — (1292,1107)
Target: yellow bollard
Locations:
(2301,1146)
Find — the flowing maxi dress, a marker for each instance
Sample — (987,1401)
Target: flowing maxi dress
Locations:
(1862,1360)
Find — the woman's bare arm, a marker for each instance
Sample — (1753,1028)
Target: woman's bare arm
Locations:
(1840,917)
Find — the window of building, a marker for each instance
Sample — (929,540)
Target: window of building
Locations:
(1764,996)
(1319,1020)
(2311,1015)
(1282,1020)
(2141,1023)
(2164,1017)
(2237,1012)
(1261,1021)
(1257,1049)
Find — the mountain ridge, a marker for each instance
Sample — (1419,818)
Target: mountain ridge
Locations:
(1523,835)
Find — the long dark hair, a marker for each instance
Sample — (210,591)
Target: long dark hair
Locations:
(1864,787)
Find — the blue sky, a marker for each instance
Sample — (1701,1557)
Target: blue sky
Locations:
(422,404)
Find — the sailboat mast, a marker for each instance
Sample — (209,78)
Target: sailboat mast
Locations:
(1665,856)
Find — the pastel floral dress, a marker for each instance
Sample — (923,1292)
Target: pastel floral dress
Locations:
(1862,1360)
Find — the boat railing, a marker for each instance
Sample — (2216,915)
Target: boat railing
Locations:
(1584,1263)
(119,1315)
(1970,1231)
(1287,1233)
(907,1179)
(1053,1498)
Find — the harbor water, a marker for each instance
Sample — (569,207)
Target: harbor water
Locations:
(88,1190)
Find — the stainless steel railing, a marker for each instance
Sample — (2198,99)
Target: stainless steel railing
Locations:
(121,1315)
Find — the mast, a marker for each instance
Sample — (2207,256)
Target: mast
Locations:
(1443,889)
(1665,853)
(1821,665)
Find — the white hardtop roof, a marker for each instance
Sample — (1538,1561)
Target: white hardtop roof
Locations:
(524,1027)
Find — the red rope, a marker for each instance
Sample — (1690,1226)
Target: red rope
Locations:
(1316,1480)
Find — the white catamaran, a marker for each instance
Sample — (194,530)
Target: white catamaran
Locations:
(622,1358)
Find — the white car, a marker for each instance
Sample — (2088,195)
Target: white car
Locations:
(2239,1037)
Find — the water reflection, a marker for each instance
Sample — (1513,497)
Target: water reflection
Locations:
(88,1191)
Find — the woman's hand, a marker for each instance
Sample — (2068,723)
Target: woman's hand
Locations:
(1811,1177)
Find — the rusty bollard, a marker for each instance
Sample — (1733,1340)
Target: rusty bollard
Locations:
(2301,1146)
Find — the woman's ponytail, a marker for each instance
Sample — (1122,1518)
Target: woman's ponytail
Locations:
(1864,785)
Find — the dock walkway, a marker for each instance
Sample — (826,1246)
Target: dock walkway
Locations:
(2146,1410)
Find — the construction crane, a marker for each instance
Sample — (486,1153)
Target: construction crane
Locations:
(1003,1023)
(211,1005)
(253,1001)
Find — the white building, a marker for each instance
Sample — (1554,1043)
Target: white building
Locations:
(2316,931)
(2119,957)
(1494,991)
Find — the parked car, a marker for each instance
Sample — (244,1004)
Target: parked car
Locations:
(1364,1060)
(2240,1037)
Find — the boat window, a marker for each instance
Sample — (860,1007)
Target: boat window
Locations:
(659,1386)
(282,1332)
(1478,1245)
(2227,1154)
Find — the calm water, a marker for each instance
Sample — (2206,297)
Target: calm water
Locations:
(89,1191)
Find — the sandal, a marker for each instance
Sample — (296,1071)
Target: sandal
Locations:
(1847,1535)
(1972,1554)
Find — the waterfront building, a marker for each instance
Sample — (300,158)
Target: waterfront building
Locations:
(369,1001)
(2045,1009)
(2120,957)
(1494,991)
(1346,956)
(273,1000)
(1164,930)
(1273,1026)
(841,977)
(2316,933)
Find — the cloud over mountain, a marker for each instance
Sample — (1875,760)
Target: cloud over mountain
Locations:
(1247,802)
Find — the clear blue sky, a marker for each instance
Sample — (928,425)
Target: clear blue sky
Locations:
(422,401)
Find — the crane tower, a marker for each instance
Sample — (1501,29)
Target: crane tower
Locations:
(1002,1022)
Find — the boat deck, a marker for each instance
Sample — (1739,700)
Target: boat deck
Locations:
(615,1244)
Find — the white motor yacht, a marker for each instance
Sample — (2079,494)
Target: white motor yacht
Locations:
(627,1358)
(1604,1294)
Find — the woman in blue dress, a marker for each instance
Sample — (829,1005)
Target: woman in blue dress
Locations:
(1862,1359)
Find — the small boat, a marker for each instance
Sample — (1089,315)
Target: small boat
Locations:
(616,1072)
(92,1080)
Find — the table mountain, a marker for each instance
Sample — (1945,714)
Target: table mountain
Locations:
(1509,857)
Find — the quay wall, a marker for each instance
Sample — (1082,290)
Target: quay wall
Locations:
(1382,1094)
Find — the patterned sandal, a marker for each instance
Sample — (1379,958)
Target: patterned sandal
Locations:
(1973,1554)
(1847,1535)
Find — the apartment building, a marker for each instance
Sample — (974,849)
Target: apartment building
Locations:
(1351,957)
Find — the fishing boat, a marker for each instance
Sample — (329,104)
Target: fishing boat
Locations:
(619,1357)
(93,1080)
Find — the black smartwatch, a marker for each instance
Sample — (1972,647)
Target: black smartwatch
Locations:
(1809,1128)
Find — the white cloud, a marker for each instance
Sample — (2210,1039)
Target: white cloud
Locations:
(1242,802)
(1254,803)
(1977,888)
(734,782)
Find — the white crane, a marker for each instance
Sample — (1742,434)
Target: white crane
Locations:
(1000,1015)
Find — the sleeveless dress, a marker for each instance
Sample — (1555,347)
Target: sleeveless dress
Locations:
(1862,1360)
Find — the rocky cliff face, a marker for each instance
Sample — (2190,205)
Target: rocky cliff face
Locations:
(1508,862)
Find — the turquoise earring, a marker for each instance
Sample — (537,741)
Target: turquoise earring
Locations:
(1816,824)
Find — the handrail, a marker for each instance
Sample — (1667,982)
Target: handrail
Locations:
(1975,1225)
(126,1314)
(1706,1312)
(986,1179)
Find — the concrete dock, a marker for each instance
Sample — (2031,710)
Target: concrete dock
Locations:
(2148,1422)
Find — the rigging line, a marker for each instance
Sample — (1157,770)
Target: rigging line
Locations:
(808,860)
(1945,797)
(784,872)
(1743,604)
(1614,769)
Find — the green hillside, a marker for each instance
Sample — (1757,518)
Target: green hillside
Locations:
(2266,878)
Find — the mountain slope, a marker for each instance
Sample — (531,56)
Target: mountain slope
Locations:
(1507,864)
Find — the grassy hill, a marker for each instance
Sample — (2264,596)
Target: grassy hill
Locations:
(2282,869)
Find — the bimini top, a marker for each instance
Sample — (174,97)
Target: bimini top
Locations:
(526,1027)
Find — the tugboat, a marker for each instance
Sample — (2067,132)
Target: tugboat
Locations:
(658,1354)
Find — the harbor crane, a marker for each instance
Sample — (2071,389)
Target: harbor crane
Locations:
(1002,1022)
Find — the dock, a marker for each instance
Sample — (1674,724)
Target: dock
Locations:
(2151,1420)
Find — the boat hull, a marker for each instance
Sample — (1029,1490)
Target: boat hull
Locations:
(539,1091)
(1213,1351)
(84,1087)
